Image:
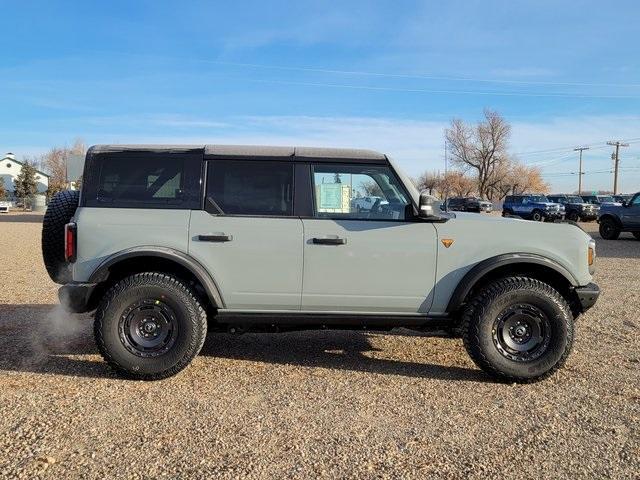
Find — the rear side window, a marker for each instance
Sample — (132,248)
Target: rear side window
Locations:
(144,180)
(139,179)
(250,187)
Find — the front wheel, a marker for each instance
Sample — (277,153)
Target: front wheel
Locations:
(518,329)
(537,216)
(150,326)
(637,235)
(573,216)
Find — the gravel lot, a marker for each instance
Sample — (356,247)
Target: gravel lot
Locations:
(313,404)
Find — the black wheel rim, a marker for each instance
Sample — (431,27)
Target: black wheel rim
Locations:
(522,333)
(148,328)
(537,217)
(607,229)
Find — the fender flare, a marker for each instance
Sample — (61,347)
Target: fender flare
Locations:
(101,273)
(613,217)
(481,269)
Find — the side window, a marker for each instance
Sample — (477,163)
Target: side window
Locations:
(360,192)
(636,201)
(251,187)
(141,180)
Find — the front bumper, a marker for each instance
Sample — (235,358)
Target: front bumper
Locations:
(588,295)
(553,215)
(77,297)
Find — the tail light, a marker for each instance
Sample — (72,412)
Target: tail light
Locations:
(70,242)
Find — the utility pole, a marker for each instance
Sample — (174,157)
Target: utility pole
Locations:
(616,160)
(580,172)
(446,161)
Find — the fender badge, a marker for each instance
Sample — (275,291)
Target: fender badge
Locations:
(447,242)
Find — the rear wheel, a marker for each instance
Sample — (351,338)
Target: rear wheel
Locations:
(609,229)
(518,329)
(150,326)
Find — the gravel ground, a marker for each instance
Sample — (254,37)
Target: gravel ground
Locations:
(313,404)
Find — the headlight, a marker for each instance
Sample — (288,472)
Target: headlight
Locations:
(591,256)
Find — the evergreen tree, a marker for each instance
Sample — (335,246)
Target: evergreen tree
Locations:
(25,185)
(3,190)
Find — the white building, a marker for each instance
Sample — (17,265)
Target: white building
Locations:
(10,168)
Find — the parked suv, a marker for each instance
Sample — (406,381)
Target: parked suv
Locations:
(615,219)
(464,204)
(166,242)
(532,207)
(365,204)
(575,208)
(600,200)
(469,204)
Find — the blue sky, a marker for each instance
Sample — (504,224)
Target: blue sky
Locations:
(382,75)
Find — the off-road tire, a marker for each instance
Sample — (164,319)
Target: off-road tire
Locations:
(537,216)
(190,317)
(637,235)
(573,215)
(609,229)
(59,212)
(483,311)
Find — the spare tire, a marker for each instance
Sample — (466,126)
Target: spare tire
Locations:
(59,212)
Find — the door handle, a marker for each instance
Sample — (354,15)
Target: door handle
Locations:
(329,241)
(215,237)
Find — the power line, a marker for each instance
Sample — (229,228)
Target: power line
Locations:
(443,92)
(418,76)
(594,145)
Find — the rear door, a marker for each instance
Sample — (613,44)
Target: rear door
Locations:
(374,261)
(248,237)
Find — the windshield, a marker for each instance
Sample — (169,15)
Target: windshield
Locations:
(575,199)
(606,198)
(538,198)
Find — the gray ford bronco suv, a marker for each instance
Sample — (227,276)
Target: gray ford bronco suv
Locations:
(165,242)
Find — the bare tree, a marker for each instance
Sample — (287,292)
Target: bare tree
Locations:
(372,189)
(428,181)
(55,162)
(481,148)
(516,178)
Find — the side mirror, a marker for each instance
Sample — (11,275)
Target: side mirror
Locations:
(429,206)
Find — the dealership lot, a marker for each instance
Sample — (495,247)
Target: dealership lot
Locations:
(310,404)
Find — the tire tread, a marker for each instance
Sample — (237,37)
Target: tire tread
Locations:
(197,316)
(480,303)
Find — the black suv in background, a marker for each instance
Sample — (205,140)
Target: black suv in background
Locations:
(576,209)
(465,204)
(600,200)
(623,197)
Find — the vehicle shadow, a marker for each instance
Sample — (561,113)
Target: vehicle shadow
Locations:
(331,349)
(43,339)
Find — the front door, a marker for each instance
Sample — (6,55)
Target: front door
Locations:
(631,213)
(374,260)
(248,238)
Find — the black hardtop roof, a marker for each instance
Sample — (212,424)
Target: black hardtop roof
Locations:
(251,151)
